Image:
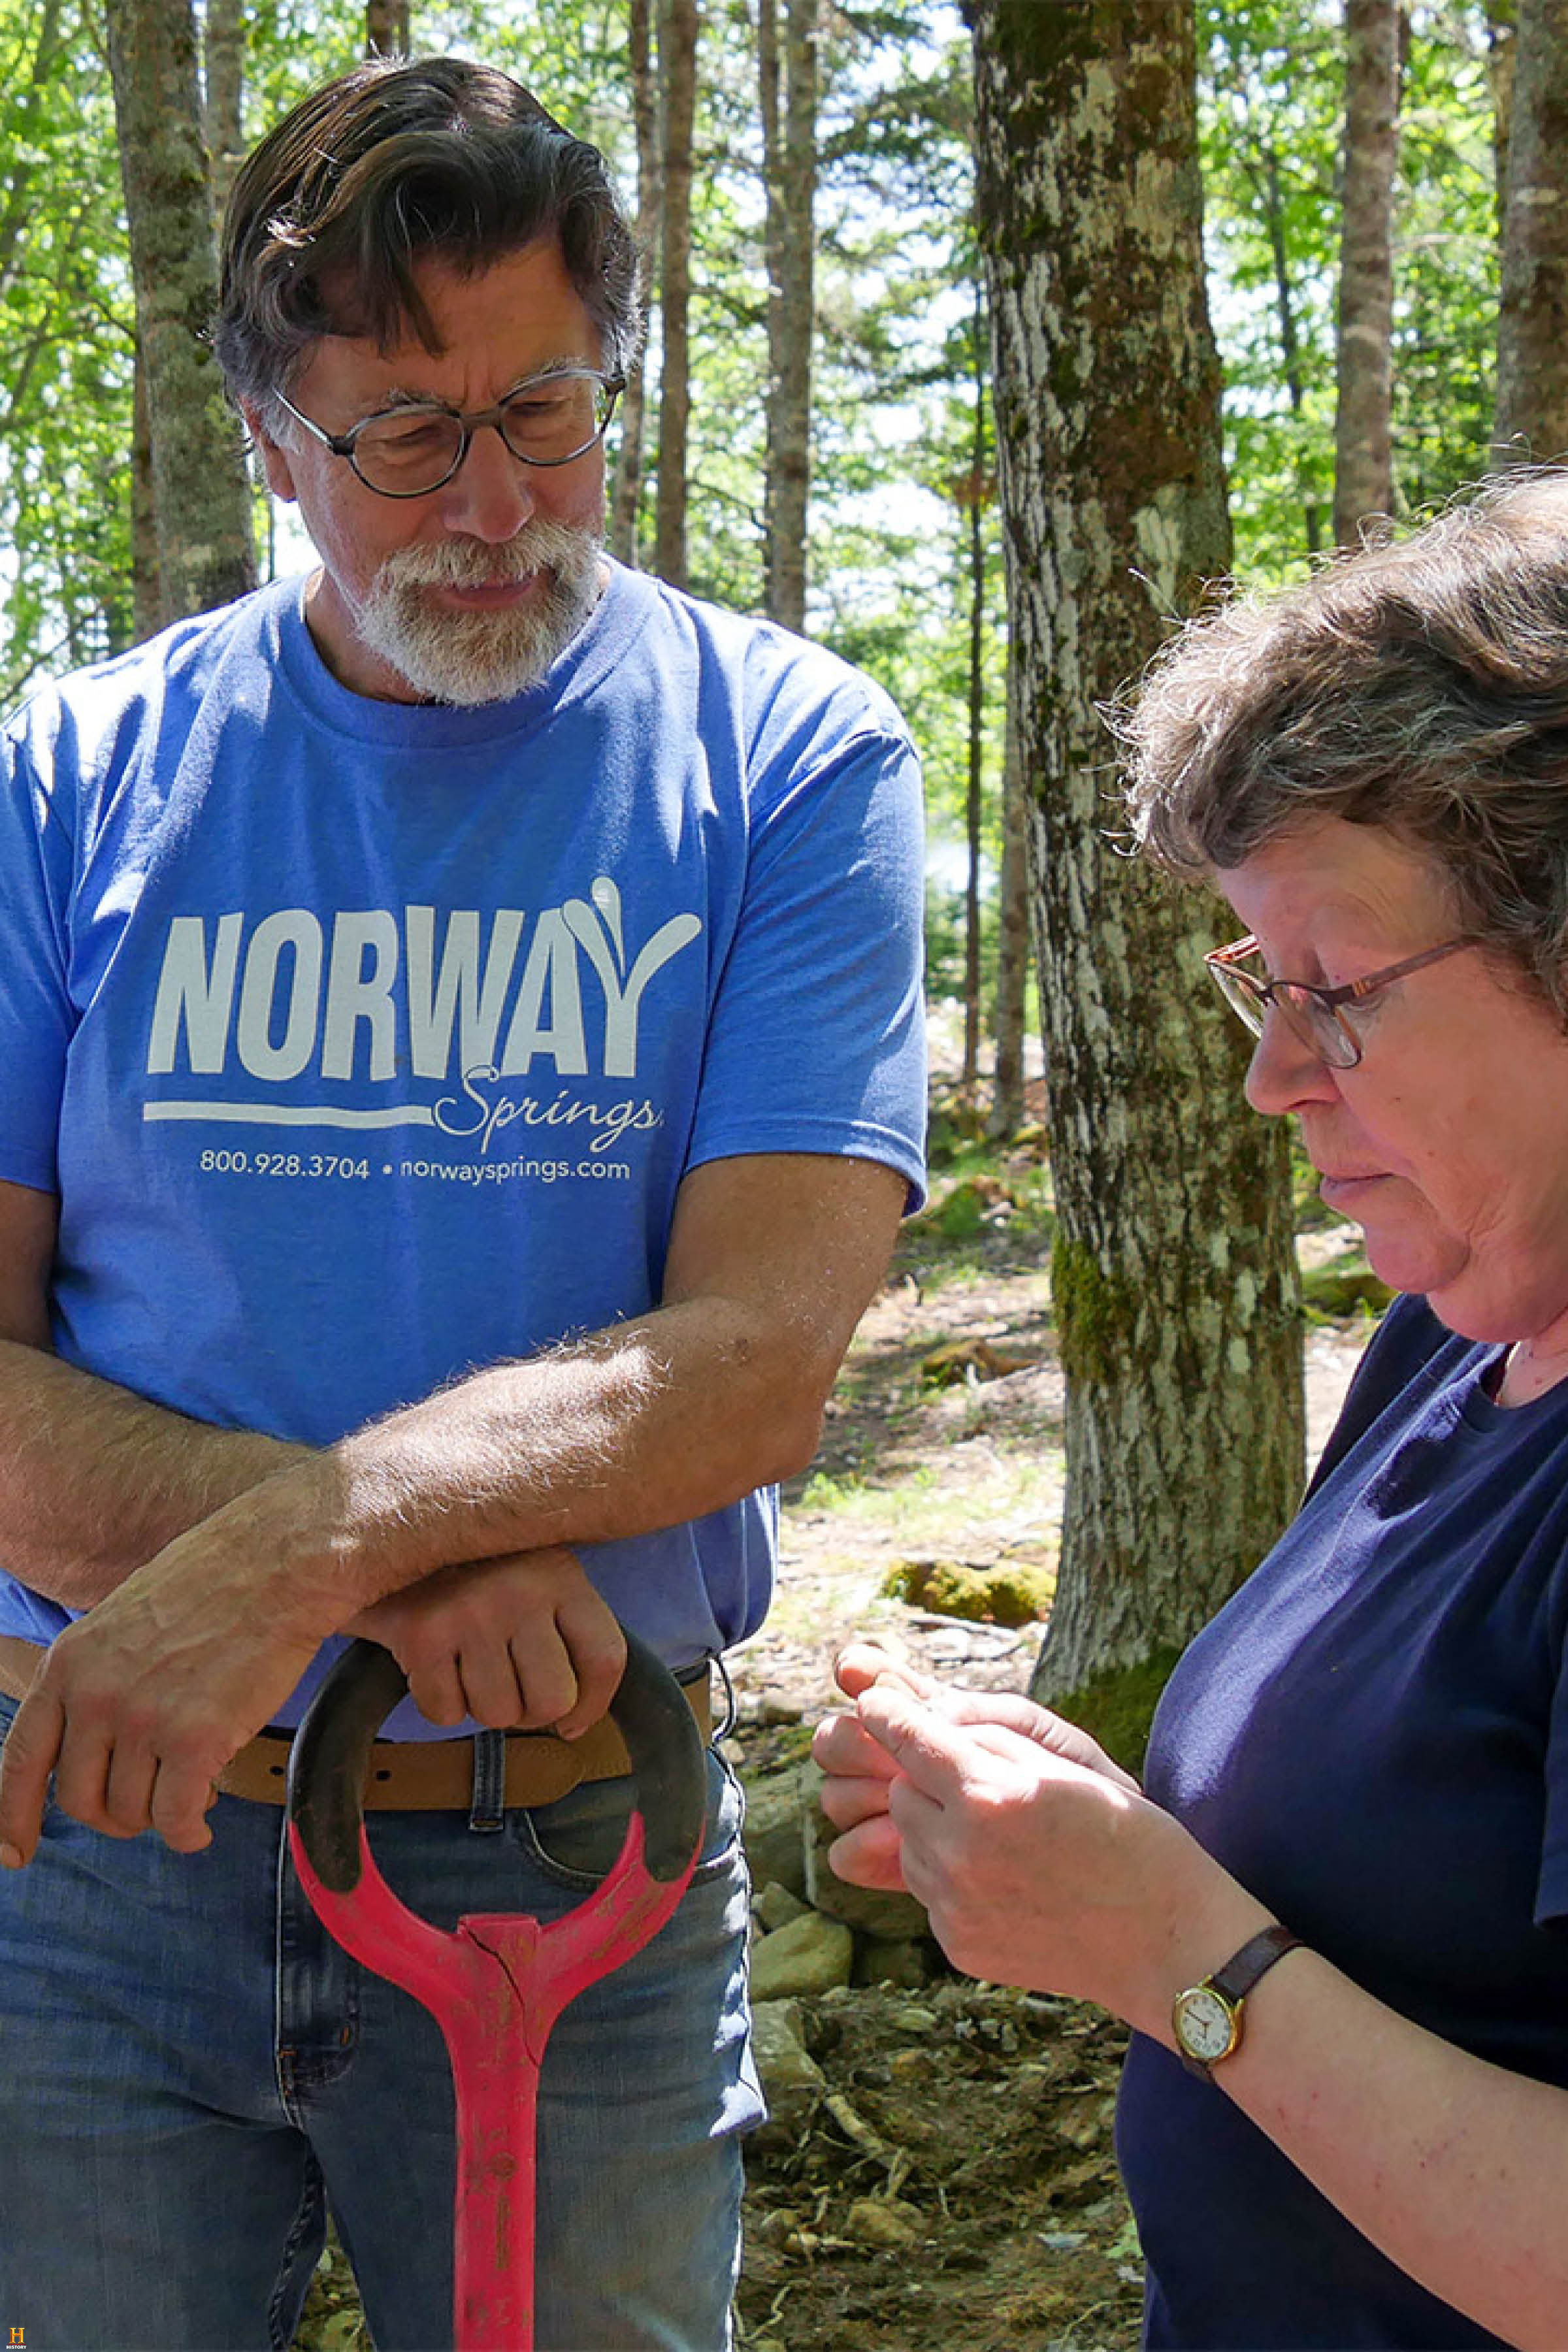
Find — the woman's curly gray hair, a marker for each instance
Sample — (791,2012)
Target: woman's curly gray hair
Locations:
(1420,685)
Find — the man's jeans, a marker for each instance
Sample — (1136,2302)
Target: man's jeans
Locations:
(191,2070)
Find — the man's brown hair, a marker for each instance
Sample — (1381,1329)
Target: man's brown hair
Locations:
(386,166)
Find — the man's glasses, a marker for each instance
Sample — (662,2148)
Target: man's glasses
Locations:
(1314,1015)
(409,451)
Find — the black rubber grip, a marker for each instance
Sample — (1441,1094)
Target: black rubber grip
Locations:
(331,1757)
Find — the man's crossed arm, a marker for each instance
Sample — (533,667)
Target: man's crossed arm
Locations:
(258,1550)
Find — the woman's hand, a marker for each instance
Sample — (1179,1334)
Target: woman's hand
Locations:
(1038,1860)
(521,1642)
(860,1770)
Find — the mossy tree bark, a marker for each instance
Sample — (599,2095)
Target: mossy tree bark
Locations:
(1175,1287)
(201,499)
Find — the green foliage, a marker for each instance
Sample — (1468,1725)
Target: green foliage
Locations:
(1272,114)
(894,470)
(1446,260)
(66,349)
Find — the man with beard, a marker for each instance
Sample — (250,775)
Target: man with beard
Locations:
(460,1066)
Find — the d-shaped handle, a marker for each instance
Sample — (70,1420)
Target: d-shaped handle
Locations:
(331,1757)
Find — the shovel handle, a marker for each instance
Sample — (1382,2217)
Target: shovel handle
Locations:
(331,1750)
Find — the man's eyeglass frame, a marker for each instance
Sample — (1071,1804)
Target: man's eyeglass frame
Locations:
(1333,1042)
(472,421)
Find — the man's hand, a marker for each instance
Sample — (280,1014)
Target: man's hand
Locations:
(523,1640)
(139,1705)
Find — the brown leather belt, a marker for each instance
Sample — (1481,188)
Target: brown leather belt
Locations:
(419,1776)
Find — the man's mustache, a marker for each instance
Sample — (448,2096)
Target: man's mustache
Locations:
(481,564)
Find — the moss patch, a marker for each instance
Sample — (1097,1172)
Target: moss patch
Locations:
(1117,1708)
(1096,1313)
(1337,1289)
(1013,1593)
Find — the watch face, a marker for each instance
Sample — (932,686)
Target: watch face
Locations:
(1204,2025)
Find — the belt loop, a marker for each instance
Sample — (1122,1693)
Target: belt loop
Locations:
(488,1807)
(731,1710)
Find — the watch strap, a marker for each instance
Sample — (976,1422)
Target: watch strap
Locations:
(1255,1957)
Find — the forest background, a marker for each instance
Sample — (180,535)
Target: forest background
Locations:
(940,372)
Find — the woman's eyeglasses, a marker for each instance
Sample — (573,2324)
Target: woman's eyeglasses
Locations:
(1314,1015)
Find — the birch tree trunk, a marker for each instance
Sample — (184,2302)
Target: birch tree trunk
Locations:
(625,496)
(678,27)
(788,91)
(201,498)
(1176,1291)
(1533,314)
(223,93)
(1364,418)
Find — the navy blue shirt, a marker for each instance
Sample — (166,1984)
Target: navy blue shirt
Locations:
(1372,1736)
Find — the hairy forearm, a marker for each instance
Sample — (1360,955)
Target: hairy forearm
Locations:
(94,1480)
(1452,2167)
(648,1424)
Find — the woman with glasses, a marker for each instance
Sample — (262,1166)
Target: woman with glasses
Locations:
(1336,1915)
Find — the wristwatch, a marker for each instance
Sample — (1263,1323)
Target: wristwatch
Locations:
(1206,2018)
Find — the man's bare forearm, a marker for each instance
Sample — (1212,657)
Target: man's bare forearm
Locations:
(653,1421)
(94,1479)
(637,1428)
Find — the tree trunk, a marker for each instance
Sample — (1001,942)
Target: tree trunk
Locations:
(386,28)
(1364,420)
(1175,1293)
(1532,315)
(973,492)
(789,153)
(222,90)
(147,589)
(1502,25)
(627,495)
(201,495)
(1007,1099)
(1285,307)
(678,25)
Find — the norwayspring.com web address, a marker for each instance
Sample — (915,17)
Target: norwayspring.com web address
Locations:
(501,1172)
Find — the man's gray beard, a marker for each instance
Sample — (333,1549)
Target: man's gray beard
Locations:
(474,658)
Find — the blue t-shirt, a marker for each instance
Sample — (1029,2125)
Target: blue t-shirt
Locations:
(1372,1736)
(367,1043)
